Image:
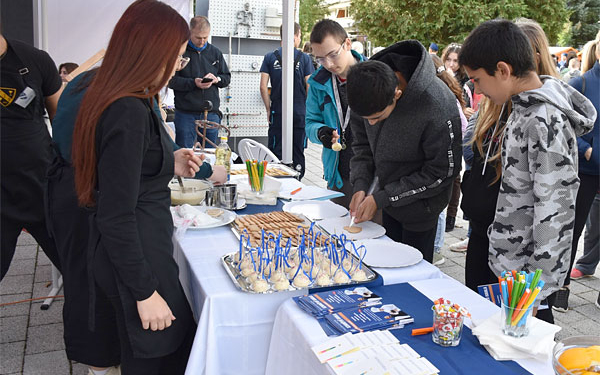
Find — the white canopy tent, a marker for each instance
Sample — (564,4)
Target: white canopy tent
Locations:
(74,30)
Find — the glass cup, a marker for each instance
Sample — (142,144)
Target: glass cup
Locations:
(447,328)
(515,322)
(257,184)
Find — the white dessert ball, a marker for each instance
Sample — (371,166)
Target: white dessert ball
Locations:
(301,281)
(341,278)
(282,284)
(260,285)
(359,275)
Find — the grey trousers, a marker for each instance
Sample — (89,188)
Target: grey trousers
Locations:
(591,242)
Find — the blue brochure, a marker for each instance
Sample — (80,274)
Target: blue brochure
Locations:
(368,318)
(324,303)
(491,292)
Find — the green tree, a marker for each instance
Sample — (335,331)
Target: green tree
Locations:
(446,21)
(310,12)
(585,15)
(552,15)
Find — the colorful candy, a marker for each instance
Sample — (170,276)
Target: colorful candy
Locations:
(448,320)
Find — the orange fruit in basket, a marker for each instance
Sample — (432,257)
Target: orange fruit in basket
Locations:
(580,358)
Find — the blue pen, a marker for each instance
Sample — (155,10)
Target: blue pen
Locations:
(504,292)
(540,284)
(523,320)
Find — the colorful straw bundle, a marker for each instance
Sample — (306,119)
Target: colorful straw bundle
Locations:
(519,292)
(256,174)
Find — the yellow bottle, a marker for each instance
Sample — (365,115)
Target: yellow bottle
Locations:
(223,155)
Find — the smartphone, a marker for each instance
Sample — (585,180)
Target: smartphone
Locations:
(206,80)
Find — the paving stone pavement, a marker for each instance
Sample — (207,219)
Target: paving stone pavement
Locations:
(31,340)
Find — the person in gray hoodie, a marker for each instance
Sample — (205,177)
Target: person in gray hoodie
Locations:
(409,139)
(535,211)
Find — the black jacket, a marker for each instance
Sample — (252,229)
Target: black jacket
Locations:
(416,152)
(132,225)
(189,97)
(480,193)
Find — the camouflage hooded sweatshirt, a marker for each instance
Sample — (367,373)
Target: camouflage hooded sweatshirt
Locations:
(535,211)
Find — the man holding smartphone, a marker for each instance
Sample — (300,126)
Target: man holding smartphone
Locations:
(198,82)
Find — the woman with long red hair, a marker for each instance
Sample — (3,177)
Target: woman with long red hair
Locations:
(123,161)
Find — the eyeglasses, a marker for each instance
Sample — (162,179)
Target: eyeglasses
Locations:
(332,57)
(182,62)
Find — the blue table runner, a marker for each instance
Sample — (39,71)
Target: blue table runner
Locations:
(469,357)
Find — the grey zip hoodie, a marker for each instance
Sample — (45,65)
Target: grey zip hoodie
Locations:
(416,152)
(535,212)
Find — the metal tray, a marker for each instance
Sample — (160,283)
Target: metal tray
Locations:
(242,284)
(285,171)
(236,230)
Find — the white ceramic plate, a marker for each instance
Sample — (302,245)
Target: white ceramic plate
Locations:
(389,254)
(227,218)
(336,226)
(241,204)
(315,210)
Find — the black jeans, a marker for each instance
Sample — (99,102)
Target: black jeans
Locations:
(588,188)
(477,269)
(423,240)
(546,314)
(454,198)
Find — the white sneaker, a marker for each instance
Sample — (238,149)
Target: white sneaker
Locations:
(438,259)
(460,247)
(115,370)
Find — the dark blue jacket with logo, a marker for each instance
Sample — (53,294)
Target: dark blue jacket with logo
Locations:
(189,97)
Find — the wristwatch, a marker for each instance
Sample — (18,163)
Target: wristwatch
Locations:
(218,79)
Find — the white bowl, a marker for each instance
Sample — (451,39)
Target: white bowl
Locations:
(195,192)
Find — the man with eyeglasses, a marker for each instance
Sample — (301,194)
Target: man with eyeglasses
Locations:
(203,71)
(271,70)
(327,113)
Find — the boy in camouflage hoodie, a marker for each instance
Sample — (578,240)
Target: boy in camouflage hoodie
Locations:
(535,211)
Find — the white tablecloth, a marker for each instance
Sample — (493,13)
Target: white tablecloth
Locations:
(295,332)
(234,328)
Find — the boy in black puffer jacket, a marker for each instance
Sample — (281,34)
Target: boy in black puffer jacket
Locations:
(410,139)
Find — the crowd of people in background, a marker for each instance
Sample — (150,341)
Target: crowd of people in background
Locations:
(394,130)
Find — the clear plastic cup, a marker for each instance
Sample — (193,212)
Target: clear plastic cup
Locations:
(515,322)
(447,328)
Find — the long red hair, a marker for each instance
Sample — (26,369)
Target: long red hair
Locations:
(144,45)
